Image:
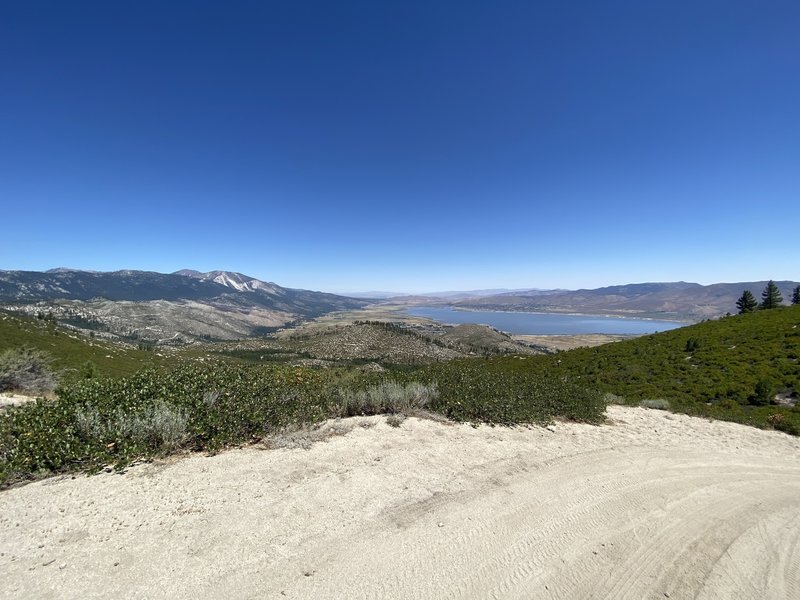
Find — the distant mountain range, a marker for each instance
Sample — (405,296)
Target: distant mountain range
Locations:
(157,306)
(677,300)
(189,305)
(448,294)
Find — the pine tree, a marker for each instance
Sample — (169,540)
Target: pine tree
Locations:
(771,296)
(747,303)
(796,295)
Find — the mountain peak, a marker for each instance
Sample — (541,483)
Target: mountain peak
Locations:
(237,281)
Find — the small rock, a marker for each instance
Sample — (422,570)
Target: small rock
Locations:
(441,524)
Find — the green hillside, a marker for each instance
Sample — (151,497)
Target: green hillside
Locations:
(731,368)
(70,351)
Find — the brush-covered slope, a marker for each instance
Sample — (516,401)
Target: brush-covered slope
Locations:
(381,342)
(744,368)
(378,342)
(71,352)
(482,339)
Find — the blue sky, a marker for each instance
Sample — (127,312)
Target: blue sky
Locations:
(409,146)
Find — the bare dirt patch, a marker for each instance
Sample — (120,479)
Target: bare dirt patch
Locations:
(10,399)
(568,342)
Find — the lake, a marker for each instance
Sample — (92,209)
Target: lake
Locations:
(544,323)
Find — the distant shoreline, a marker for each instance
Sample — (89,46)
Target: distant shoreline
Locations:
(569,314)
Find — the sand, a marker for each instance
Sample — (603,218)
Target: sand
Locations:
(653,505)
(8,399)
(568,342)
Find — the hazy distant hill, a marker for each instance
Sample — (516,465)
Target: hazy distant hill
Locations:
(159,306)
(678,300)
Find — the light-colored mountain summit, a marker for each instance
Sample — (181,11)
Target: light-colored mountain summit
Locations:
(232,279)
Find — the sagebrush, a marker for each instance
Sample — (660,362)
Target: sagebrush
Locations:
(97,422)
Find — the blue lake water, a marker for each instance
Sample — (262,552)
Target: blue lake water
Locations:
(544,323)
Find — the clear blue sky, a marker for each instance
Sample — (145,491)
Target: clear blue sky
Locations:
(406,146)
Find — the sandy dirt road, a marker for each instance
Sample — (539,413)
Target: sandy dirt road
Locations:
(653,505)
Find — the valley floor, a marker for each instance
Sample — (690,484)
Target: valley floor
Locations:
(652,505)
(568,342)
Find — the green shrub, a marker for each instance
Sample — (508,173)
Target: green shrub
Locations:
(792,427)
(730,404)
(395,420)
(611,398)
(763,392)
(88,370)
(510,391)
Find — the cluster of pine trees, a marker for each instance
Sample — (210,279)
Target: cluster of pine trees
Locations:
(770,298)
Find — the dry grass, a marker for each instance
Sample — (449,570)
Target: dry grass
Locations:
(305,436)
(395,420)
(657,403)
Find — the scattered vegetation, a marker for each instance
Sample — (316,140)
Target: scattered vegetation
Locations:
(656,403)
(395,420)
(744,368)
(26,370)
(388,344)
(384,343)
(306,435)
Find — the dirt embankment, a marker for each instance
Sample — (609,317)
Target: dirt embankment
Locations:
(653,505)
